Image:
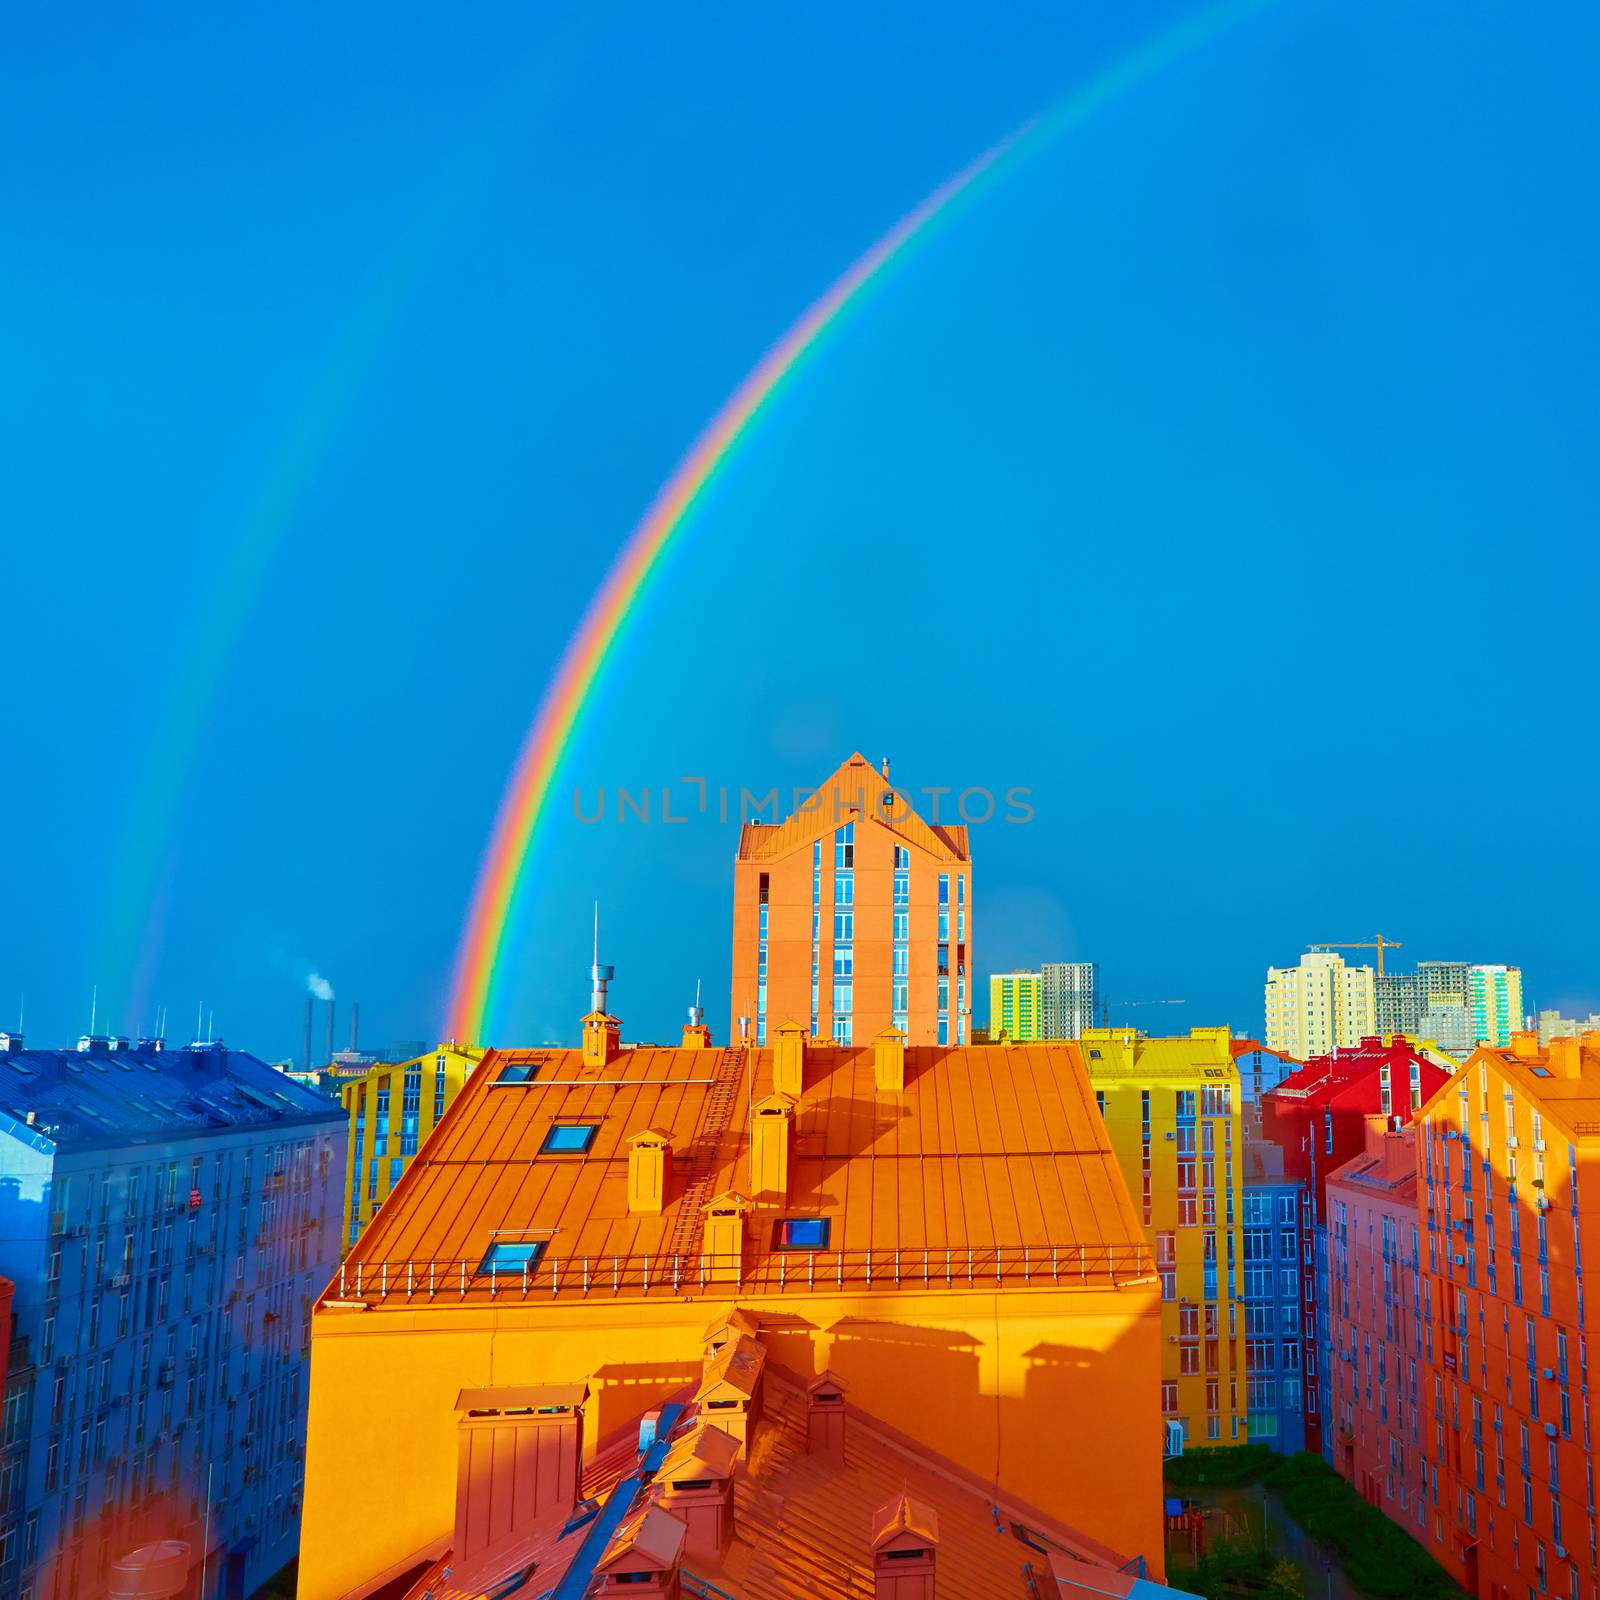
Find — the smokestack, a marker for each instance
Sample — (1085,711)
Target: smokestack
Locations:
(330,1030)
(305,1056)
(355,1022)
(599,975)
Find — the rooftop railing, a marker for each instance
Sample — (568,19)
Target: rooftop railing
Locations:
(425,1281)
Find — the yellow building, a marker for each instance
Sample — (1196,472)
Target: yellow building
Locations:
(391,1111)
(1172,1110)
(1014,1006)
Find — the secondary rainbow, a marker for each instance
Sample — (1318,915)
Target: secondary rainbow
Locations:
(501,873)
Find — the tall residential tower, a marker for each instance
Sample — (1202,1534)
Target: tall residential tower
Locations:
(1319,1006)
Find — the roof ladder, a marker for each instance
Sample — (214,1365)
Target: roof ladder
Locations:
(701,1162)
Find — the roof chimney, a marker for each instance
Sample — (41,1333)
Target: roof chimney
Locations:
(905,1540)
(696,1035)
(355,1024)
(599,975)
(519,1454)
(789,1059)
(330,1031)
(730,1389)
(731,1325)
(696,1483)
(722,1248)
(1524,1045)
(640,1562)
(305,1059)
(1566,1057)
(889,1061)
(825,1415)
(769,1148)
(602,1039)
(649,1165)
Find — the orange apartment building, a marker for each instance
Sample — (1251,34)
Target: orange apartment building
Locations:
(943,1235)
(1509,1178)
(854,915)
(1378,1358)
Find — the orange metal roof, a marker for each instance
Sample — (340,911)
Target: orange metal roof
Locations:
(856,784)
(805,1524)
(988,1148)
(1572,1101)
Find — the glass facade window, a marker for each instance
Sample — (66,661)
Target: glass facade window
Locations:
(901,914)
(844,930)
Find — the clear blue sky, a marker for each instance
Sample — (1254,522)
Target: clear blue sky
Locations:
(1224,474)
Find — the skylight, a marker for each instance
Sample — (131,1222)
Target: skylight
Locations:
(568,1138)
(512,1255)
(518,1072)
(804,1233)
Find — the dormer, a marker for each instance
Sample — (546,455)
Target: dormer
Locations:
(602,1039)
(905,1542)
(889,1061)
(789,1059)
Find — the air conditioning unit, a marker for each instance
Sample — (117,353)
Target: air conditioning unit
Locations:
(1549,1430)
(1547,1373)
(1174,1438)
(1561,1552)
(1460,1261)
(1513,1142)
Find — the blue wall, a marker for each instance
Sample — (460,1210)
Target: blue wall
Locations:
(1273,1213)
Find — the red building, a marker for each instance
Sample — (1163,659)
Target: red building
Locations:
(1318,1118)
(1377,1355)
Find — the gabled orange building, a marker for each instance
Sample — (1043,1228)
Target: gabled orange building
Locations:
(854,915)
(945,1231)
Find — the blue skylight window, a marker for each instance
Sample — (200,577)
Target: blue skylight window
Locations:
(518,1072)
(568,1138)
(513,1255)
(804,1233)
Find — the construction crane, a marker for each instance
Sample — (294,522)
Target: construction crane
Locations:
(1106,1005)
(1376,942)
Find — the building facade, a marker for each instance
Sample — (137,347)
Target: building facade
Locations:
(1260,1069)
(1509,1156)
(854,915)
(1552,1025)
(1378,1355)
(1014,1007)
(1273,1246)
(1172,1110)
(1399,1002)
(584,1213)
(389,1112)
(167,1217)
(1068,995)
(1495,995)
(1447,1006)
(1318,1120)
(1319,1006)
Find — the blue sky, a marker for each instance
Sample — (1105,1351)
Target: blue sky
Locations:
(1223,474)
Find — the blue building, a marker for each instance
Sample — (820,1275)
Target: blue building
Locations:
(168,1217)
(1274,1235)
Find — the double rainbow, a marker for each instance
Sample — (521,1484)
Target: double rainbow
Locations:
(501,874)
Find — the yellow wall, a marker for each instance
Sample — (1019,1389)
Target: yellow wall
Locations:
(1051,1390)
(1014,1006)
(1123,1067)
(367,1188)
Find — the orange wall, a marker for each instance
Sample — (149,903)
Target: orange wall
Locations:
(1052,1391)
(789,936)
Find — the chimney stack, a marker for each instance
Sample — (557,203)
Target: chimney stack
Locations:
(355,1024)
(649,1165)
(305,1059)
(889,1061)
(769,1148)
(825,1415)
(789,1059)
(519,1454)
(905,1541)
(696,1481)
(640,1561)
(1566,1057)
(722,1249)
(730,1389)
(696,1035)
(330,1030)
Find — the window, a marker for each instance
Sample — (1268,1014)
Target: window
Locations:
(568,1138)
(519,1072)
(521,1255)
(803,1233)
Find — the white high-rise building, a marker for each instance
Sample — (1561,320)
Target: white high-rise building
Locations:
(1067,998)
(1319,1006)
